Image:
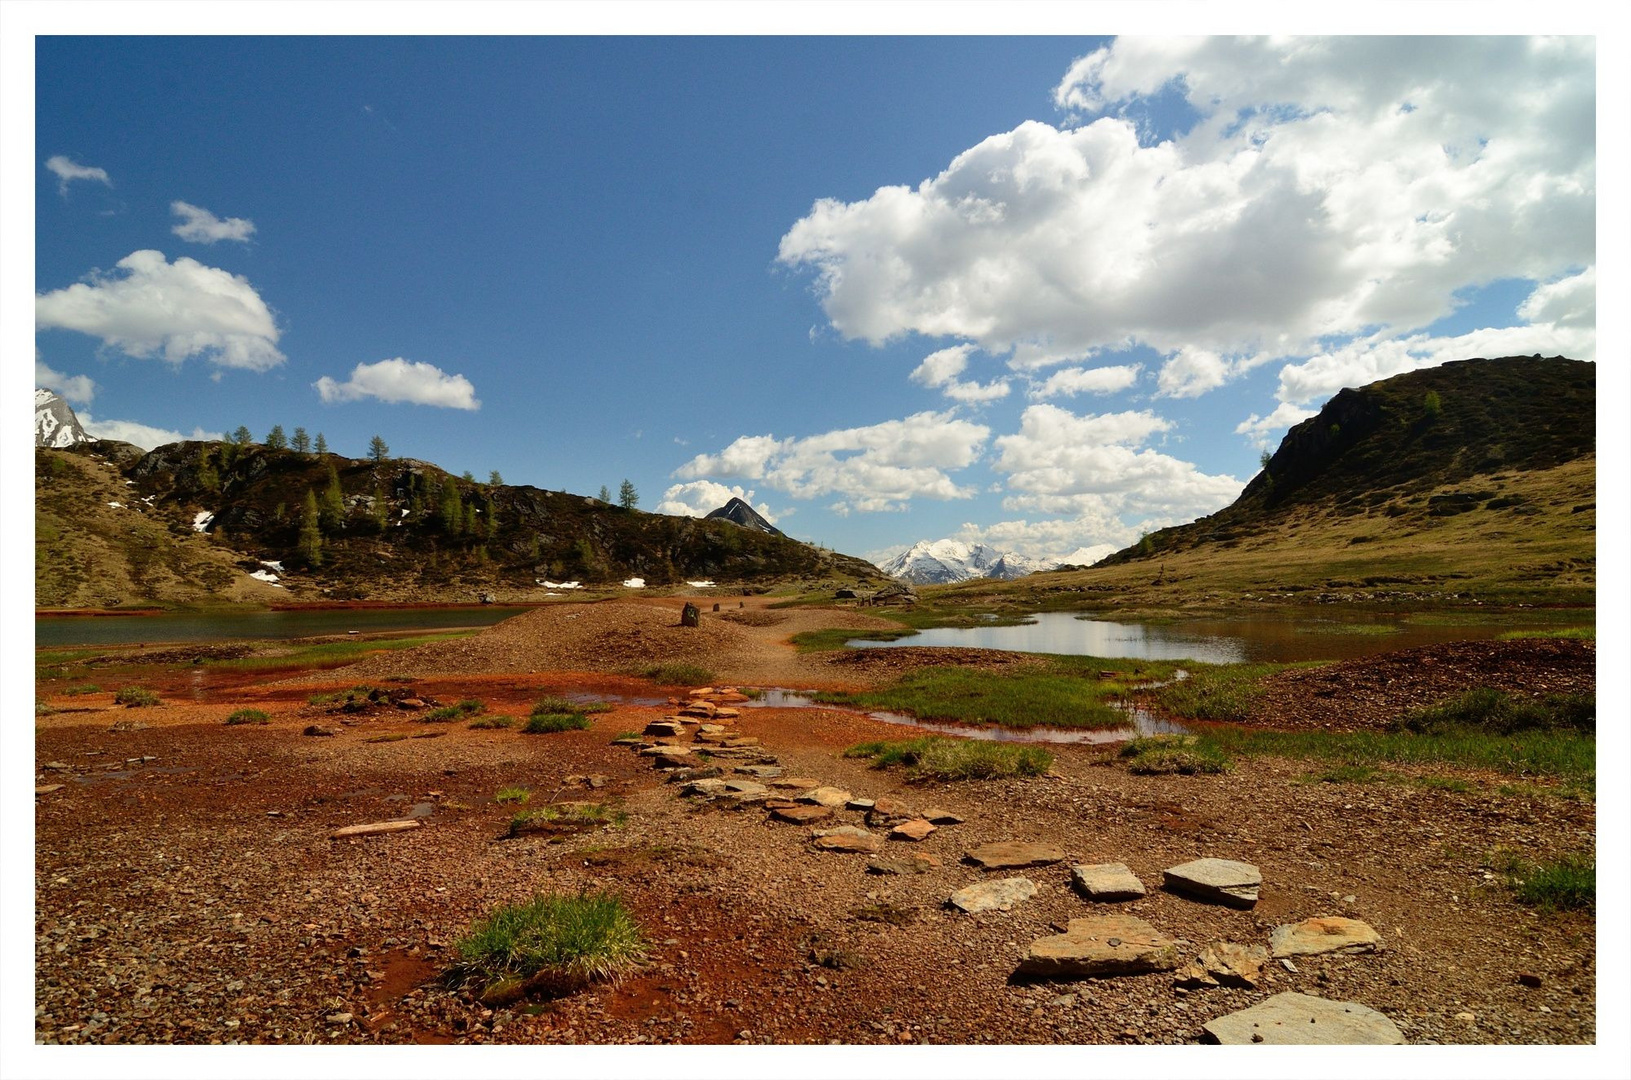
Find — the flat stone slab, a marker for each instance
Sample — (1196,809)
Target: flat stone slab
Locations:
(1224,963)
(1327,934)
(937,816)
(1108,882)
(664,727)
(709,786)
(661,748)
(1100,946)
(1013,855)
(1223,881)
(847,838)
(760,772)
(685,776)
(915,862)
(673,757)
(916,829)
(1000,894)
(373,829)
(888,810)
(1292,1019)
(862,805)
(801,814)
(826,796)
(46,789)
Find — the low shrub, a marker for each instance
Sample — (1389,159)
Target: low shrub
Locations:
(486,722)
(1486,709)
(443,715)
(549,723)
(1185,754)
(135,697)
(675,673)
(249,716)
(552,944)
(471,706)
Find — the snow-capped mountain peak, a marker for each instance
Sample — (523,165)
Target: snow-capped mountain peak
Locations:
(938,562)
(54,422)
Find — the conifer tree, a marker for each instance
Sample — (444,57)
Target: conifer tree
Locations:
(275,439)
(451,511)
(301,441)
(377,450)
(605,494)
(333,505)
(627,497)
(322,444)
(494,479)
(310,544)
(242,437)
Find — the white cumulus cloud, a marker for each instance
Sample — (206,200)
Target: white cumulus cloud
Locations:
(878,467)
(1331,187)
(199,226)
(699,498)
(939,370)
(69,170)
(172,310)
(74,389)
(397,381)
(143,435)
(1075,380)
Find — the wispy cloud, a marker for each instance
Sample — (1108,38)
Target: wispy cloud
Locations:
(199,226)
(400,381)
(177,310)
(69,170)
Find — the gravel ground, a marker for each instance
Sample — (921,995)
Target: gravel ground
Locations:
(188,891)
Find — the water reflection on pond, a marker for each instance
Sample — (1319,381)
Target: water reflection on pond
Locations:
(59,630)
(1214,641)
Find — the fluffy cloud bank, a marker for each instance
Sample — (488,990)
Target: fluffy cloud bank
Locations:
(74,389)
(397,381)
(1328,187)
(879,467)
(172,310)
(199,226)
(143,435)
(68,170)
(699,498)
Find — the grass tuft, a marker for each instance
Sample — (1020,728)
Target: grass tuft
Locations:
(1185,754)
(486,722)
(675,673)
(549,723)
(932,757)
(1486,709)
(513,794)
(554,944)
(135,697)
(1566,884)
(249,716)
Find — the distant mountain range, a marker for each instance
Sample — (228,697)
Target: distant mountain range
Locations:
(941,562)
(54,422)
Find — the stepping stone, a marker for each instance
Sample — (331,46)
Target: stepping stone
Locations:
(629,740)
(888,810)
(999,894)
(726,714)
(372,829)
(761,772)
(673,757)
(46,789)
(701,691)
(1099,946)
(746,787)
(802,815)
(742,740)
(664,727)
(1328,934)
(661,748)
(711,729)
(1224,963)
(826,796)
(777,802)
(847,838)
(1292,1019)
(1108,882)
(795,783)
(1221,880)
(1013,855)
(916,829)
(915,862)
(668,740)
(686,775)
(709,786)
(862,805)
(937,816)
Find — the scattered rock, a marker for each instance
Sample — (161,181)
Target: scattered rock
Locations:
(1099,946)
(999,894)
(1223,963)
(847,838)
(664,727)
(760,772)
(55,766)
(863,805)
(318,729)
(1222,880)
(1328,934)
(46,789)
(1292,1019)
(373,828)
(710,786)
(916,829)
(802,815)
(686,775)
(938,816)
(1013,855)
(830,797)
(127,725)
(1106,881)
(889,811)
(672,757)
(795,783)
(915,862)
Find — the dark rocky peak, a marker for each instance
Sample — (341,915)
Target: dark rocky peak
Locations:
(740,513)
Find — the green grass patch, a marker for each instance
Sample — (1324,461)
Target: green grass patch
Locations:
(1575,633)
(835,638)
(82,688)
(554,943)
(547,723)
(935,758)
(1566,884)
(1348,629)
(1485,709)
(1185,754)
(1346,774)
(1061,692)
(249,716)
(331,653)
(1219,692)
(487,721)
(446,714)
(471,706)
(135,697)
(1443,783)
(513,794)
(674,673)
(566,814)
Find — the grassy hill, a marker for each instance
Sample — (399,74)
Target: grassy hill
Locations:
(1473,483)
(345,529)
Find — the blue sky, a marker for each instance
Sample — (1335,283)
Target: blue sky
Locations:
(1042,292)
